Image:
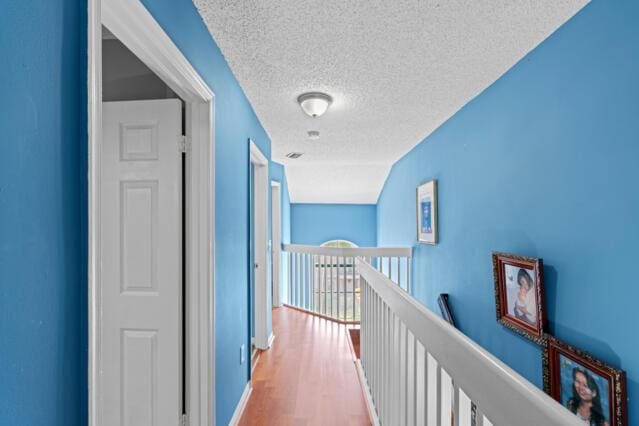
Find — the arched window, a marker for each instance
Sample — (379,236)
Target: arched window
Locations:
(339,244)
(341,285)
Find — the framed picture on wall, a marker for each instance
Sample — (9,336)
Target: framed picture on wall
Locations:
(592,390)
(427,212)
(442,301)
(519,294)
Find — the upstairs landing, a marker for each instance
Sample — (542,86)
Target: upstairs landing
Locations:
(308,377)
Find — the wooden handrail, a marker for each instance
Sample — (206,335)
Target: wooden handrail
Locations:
(325,280)
(391,319)
(349,251)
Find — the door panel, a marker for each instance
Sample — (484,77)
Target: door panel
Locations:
(139,377)
(138,230)
(261,286)
(251,265)
(141,251)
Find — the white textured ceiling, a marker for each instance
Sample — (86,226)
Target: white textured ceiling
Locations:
(395,69)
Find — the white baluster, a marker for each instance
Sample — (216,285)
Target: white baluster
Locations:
(290,278)
(464,409)
(338,286)
(433,391)
(446,403)
(420,388)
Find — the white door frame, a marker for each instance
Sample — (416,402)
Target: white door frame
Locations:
(260,247)
(134,26)
(276,247)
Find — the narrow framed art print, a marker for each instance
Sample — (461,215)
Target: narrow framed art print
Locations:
(427,212)
(444,307)
(519,294)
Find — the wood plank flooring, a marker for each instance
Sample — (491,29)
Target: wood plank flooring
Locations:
(308,377)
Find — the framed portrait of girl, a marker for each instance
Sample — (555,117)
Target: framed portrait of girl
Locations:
(519,294)
(590,389)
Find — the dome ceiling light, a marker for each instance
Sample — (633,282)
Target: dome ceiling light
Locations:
(314,104)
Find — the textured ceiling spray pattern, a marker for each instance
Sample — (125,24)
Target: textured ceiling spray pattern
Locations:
(396,71)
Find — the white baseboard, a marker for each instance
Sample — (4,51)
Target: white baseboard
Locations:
(255,357)
(241,405)
(372,413)
(270,340)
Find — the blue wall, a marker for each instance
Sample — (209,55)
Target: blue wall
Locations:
(42,213)
(314,224)
(543,163)
(43,191)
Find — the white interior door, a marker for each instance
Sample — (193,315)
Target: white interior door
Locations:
(276,229)
(260,245)
(140,216)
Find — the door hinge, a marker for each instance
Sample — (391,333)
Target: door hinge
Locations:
(184,420)
(184,144)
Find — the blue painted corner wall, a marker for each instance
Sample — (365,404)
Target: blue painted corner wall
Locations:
(543,163)
(314,224)
(43,245)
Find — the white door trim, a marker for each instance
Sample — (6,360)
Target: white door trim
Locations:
(132,24)
(260,248)
(276,247)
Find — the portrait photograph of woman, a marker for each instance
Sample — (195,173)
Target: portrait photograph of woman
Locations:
(519,294)
(584,393)
(590,389)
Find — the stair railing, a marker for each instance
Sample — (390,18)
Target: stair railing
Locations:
(419,370)
(326,281)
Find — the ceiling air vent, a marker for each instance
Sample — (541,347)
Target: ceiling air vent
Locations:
(294,155)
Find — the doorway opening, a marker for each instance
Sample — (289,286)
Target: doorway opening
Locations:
(151,233)
(276,249)
(143,247)
(259,248)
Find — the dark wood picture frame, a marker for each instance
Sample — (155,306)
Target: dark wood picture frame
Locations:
(442,301)
(617,393)
(535,332)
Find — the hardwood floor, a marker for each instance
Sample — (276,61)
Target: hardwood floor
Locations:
(307,377)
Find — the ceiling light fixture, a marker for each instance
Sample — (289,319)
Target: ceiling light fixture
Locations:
(313,135)
(314,104)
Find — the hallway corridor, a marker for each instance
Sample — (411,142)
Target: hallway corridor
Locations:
(308,377)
